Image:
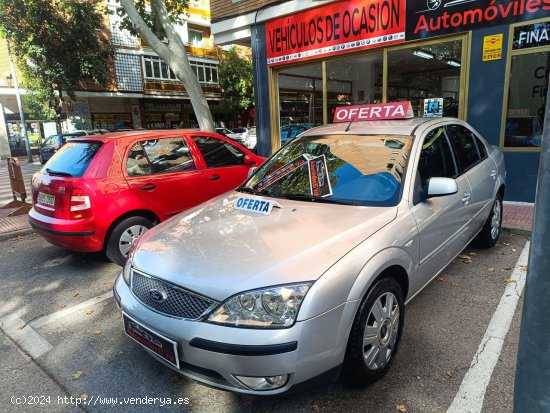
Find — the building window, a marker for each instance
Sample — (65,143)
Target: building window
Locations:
(206,72)
(156,69)
(195,38)
(529,66)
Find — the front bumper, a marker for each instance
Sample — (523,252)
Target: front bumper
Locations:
(215,355)
(77,235)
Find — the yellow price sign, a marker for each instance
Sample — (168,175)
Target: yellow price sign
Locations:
(492,47)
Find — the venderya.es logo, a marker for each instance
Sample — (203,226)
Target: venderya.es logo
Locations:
(437,17)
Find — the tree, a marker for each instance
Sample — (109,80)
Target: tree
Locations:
(59,44)
(154,21)
(235,75)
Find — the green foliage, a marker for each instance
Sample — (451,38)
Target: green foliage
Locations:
(58,44)
(235,76)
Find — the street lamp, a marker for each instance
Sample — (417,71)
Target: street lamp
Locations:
(18,96)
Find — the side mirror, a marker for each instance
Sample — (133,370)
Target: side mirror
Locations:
(249,161)
(440,187)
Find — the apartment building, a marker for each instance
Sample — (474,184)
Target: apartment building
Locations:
(144,92)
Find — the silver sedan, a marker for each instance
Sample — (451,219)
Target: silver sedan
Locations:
(303,272)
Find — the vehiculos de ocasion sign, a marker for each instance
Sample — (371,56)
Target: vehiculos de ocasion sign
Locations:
(343,26)
(426,18)
(378,111)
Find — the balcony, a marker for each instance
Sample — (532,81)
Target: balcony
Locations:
(176,88)
(206,51)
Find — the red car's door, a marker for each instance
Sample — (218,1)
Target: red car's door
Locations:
(163,173)
(226,166)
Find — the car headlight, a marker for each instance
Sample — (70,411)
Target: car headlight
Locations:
(273,307)
(127,271)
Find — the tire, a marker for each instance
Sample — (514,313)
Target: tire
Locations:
(40,159)
(488,236)
(365,364)
(122,237)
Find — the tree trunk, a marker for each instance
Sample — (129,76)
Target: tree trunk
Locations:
(174,55)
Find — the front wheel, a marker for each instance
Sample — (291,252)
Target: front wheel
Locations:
(375,334)
(123,236)
(488,236)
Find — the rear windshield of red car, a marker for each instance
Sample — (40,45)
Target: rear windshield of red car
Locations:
(72,159)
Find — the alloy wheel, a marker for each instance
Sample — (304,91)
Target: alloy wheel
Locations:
(129,236)
(381,331)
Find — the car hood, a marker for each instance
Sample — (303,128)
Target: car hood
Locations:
(218,251)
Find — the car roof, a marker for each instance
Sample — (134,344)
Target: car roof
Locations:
(153,134)
(381,127)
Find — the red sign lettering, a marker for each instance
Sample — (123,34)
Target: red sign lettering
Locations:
(335,28)
(380,111)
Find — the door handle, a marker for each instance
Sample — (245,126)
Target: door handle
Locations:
(494,174)
(466,197)
(148,187)
(214,178)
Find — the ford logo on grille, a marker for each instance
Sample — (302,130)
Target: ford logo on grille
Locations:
(157,296)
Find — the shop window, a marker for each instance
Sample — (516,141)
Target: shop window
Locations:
(300,100)
(354,81)
(424,72)
(526,100)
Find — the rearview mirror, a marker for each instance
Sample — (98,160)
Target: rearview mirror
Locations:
(440,187)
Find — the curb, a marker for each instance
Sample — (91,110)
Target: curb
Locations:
(13,234)
(518,230)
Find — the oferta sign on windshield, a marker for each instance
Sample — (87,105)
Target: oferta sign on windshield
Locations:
(335,28)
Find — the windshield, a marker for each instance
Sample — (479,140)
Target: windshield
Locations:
(347,169)
(72,159)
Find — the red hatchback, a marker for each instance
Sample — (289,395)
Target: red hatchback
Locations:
(102,192)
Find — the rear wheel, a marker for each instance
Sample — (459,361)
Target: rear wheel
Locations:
(42,161)
(123,236)
(490,232)
(375,334)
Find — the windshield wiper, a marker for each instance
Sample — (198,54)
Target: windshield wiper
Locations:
(302,197)
(247,190)
(60,173)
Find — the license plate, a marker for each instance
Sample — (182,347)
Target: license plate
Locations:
(161,346)
(46,199)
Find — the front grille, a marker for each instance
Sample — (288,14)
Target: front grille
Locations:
(167,298)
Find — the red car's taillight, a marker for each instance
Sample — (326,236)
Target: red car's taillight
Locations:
(80,205)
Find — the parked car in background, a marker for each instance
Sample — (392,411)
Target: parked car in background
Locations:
(101,192)
(303,271)
(290,131)
(223,131)
(238,135)
(251,140)
(53,143)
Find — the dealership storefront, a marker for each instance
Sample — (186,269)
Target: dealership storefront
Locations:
(484,61)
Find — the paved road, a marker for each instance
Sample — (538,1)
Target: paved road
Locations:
(59,340)
(5,188)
